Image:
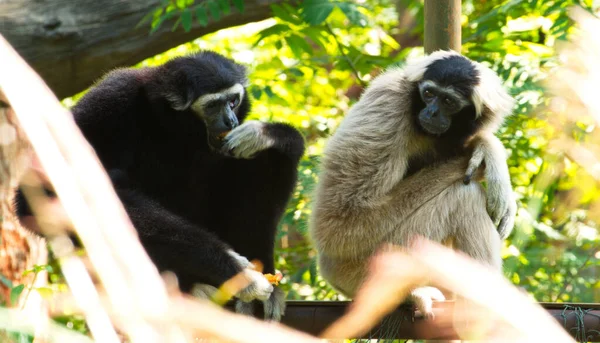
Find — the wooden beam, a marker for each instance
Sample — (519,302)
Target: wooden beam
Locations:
(582,321)
(442,25)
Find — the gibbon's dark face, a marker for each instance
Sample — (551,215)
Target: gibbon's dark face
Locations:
(445,94)
(220,112)
(214,91)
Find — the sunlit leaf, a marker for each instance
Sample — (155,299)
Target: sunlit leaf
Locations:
(298,45)
(352,13)
(45,292)
(316,11)
(285,15)
(276,29)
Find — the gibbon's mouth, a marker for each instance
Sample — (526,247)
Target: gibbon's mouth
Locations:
(432,129)
(215,142)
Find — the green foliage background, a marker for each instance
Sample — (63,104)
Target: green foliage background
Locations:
(309,63)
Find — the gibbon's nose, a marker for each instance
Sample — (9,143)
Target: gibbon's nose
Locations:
(231,122)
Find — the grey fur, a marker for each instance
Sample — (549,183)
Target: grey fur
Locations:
(274,307)
(363,199)
(246,140)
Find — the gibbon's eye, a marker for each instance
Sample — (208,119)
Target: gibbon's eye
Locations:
(427,94)
(448,102)
(233,103)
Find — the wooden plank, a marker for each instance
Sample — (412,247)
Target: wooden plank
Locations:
(582,321)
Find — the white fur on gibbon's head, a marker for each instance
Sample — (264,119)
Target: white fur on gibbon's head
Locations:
(490,98)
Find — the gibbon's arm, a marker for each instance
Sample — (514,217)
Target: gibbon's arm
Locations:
(174,244)
(341,232)
(501,203)
(286,140)
(253,137)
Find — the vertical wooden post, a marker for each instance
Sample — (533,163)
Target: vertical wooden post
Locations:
(442,25)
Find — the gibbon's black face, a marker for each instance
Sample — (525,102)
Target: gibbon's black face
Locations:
(212,87)
(220,112)
(445,92)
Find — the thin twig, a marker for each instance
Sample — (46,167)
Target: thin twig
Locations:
(346,57)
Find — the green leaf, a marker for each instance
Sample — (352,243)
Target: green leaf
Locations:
(277,29)
(6,281)
(256,92)
(316,34)
(45,292)
(214,9)
(298,45)
(269,92)
(295,72)
(202,16)
(225,7)
(239,4)
(160,20)
(175,25)
(186,19)
(15,292)
(352,13)
(316,11)
(284,15)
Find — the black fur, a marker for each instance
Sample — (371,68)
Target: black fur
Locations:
(460,74)
(454,71)
(188,203)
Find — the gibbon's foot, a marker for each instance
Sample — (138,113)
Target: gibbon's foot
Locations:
(203,291)
(259,288)
(247,140)
(423,298)
(274,307)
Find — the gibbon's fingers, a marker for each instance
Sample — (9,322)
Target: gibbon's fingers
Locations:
(259,288)
(474,163)
(507,222)
(246,140)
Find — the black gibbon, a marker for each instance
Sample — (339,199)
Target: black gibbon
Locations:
(204,189)
(400,165)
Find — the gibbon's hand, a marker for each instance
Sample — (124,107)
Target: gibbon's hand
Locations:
(246,140)
(501,203)
(259,288)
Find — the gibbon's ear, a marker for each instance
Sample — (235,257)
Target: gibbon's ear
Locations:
(492,101)
(180,92)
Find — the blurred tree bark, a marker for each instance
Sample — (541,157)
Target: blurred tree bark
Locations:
(72,43)
(20,249)
(408,37)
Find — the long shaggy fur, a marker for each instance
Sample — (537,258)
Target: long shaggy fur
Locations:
(366,196)
(191,205)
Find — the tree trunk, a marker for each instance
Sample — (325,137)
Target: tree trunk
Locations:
(72,43)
